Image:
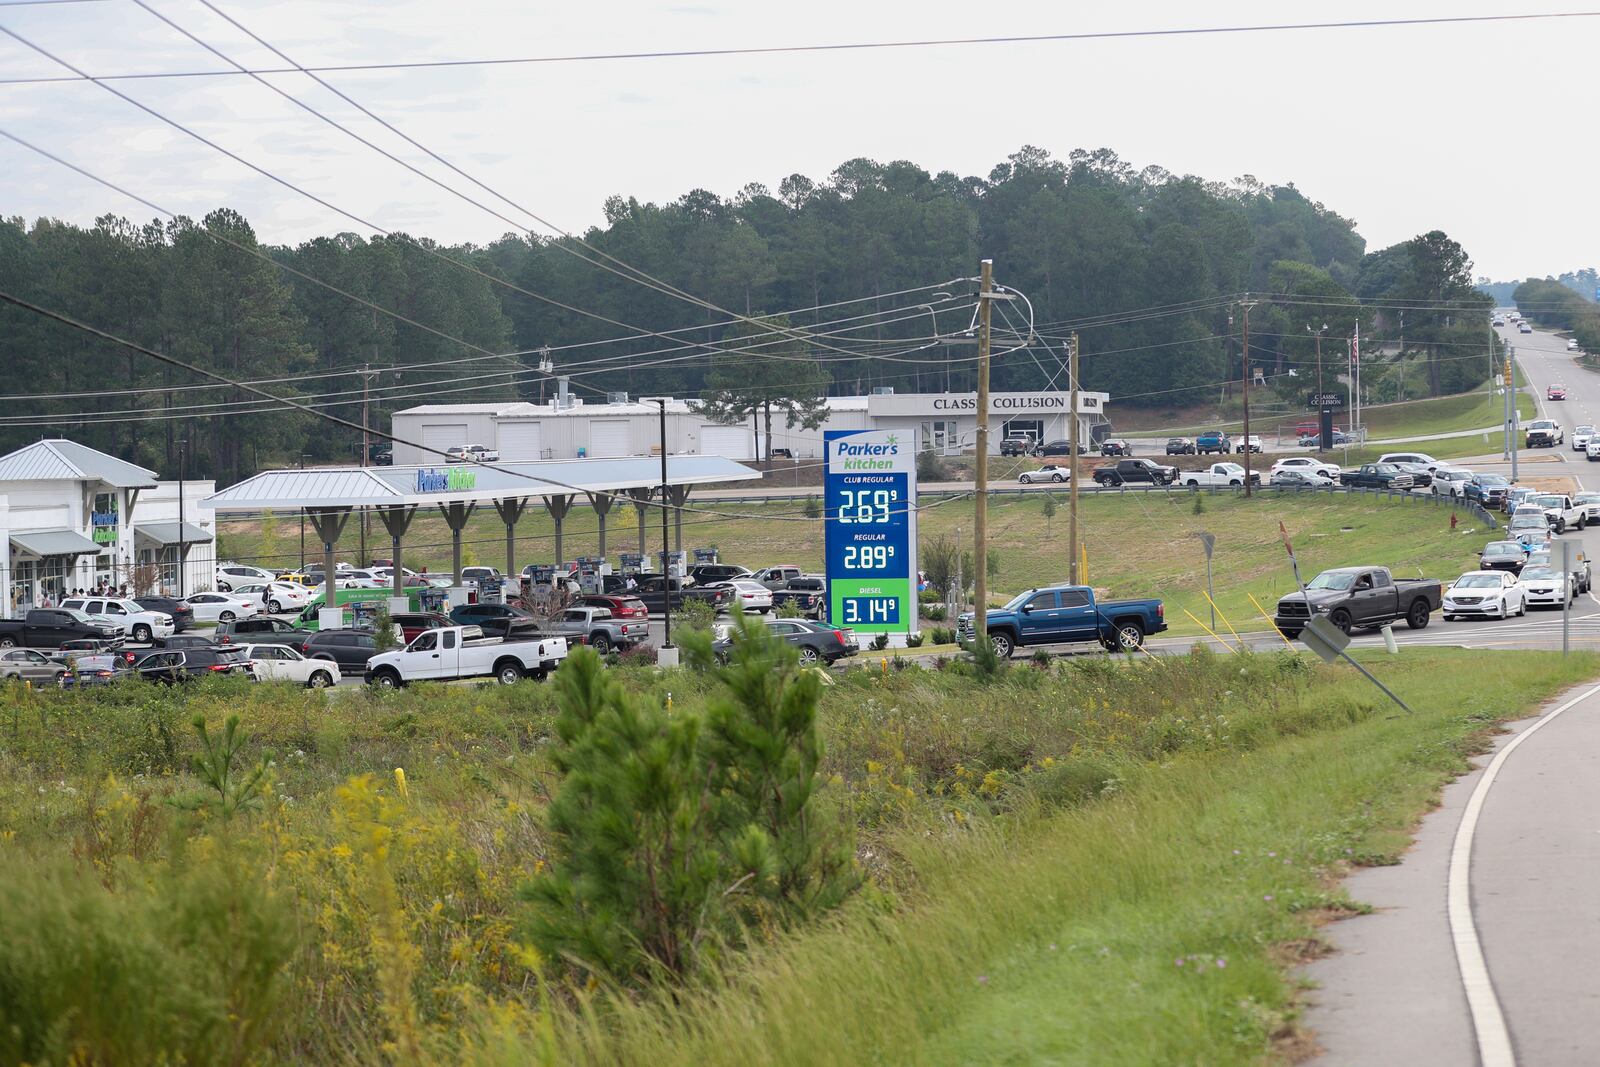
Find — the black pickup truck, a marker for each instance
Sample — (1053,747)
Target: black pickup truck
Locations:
(49,627)
(1354,598)
(1134,471)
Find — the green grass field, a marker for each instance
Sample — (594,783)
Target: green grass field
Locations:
(1139,544)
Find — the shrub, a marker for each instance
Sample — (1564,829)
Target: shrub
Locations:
(789,609)
(943,635)
(812,508)
(1199,503)
(939,556)
(930,595)
(914,641)
(696,615)
(1048,508)
(930,468)
(383,638)
(934,612)
(880,642)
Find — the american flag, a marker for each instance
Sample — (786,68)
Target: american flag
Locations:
(1355,348)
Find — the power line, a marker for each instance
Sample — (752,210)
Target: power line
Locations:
(861,46)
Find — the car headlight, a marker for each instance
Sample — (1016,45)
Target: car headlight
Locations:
(1320,609)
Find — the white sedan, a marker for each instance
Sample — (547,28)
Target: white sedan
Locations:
(280,663)
(222,607)
(1581,436)
(751,595)
(281,596)
(1485,594)
(1310,466)
(1050,472)
(1546,587)
(1572,344)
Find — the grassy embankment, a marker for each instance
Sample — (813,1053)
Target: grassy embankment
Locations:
(1140,544)
(1108,861)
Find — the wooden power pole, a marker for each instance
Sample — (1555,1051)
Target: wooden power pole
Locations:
(980,504)
(1072,444)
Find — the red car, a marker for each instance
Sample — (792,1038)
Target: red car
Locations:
(413,623)
(1556,392)
(622,607)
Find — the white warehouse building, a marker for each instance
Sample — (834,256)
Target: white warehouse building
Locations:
(523,431)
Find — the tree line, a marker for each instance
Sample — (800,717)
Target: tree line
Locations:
(1090,239)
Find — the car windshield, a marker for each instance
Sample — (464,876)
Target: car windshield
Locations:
(1542,424)
(1538,573)
(1528,522)
(1503,548)
(1493,479)
(1587,498)
(1584,429)
(1332,580)
(1017,601)
(1478,581)
(1548,501)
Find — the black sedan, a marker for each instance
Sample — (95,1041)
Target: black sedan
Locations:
(1503,556)
(1115,446)
(1180,446)
(1058,448)
(475,614)
(817,642)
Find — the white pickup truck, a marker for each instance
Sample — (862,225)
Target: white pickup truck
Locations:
(1219,474)
(463,652)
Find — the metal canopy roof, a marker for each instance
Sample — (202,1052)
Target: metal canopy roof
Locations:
(53,459)
(346,487)
(166,533)
(43,543)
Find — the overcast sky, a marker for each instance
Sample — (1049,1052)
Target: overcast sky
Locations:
(1477,130)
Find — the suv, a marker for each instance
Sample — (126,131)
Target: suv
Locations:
(262,630)
(706,573)
(182,614)
(1212,441)
(350,649)
(1134,471)
(1180,446)
(1115,446)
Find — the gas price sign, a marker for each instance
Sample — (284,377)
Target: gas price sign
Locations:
(869,499)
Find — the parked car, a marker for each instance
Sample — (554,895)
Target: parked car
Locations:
(1050,472)
(462,652)
(233,574)
(1484,594)
(596,628)
(1573,346)
(1296,479)
(1414,459)
(1067,613)
(1556,392)
(705,573)
(1016,446)
(349,648)
(281,663)
(281,597)
(1062,447)
(182,614)
(260,630)
(816,642)
(1319,470)
(1134,471)
(127,616)
(471,576)
(1357,597)
(85,646)
(470,614)
(31,666)
(1376,476)
(173,666)
(1543,433)
(50,627)
(1219,474)
(1115,446)
(380,455)
(1212,441)
(1489,490)
(657,592)
(1509,556)
(1562,511)
(1421,476)
(1451,482)
(620,605)
(1248,444)
(1314,439)
(483,454)
(221,607)
(1180,446)
(184,641)
(1546,587)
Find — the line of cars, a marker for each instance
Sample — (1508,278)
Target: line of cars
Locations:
(1523,569)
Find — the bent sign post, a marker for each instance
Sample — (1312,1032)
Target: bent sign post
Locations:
(870,529)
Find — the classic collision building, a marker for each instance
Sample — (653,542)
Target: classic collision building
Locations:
(72,516)
(523,431)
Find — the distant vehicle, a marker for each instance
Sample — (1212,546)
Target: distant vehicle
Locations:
(380,455)
(1515,496)
(463,652)
(1421,477)
(1376,476)
(184,641)
(412,623)
(1543,433)
(457,453)
(1487,594)
(1058,448)
(1572,345)
(1581,436)
(1562,512)
(222,607)
(1314,439)
(596,628)
(1316,469)
(175,666)
(1180,446)
(658,592)
(1248,444)
(621,605)
(280,663)
(1219,474)
(1547,587)
(1067,613)
(1212,441)
(1529,526)
(31,666)
(808,592)
(471,576)
(1016,446)
(232,574)
(1050,472)
(1503,556)
(1556,392)
(1135,471)
(1489,490)
(281,597)
(1295,479)
(1497,321)
(816,642)
(1421,459)
(1450,482)
(483,454)
(1523,327)
(717,572)
(1581,575)
(260,630)
(469,614)
(1115,446)
(182,614)
(1357,597)
(350,649)
(778,575)
(1591,504)
(749,595)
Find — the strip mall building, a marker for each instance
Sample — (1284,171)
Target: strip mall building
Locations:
(524,432)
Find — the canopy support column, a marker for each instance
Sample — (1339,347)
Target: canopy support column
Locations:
(456,516)
(641,503)
(397,521)
(677,496)
(329,524)
(558,506)
(510,511)
(601,502)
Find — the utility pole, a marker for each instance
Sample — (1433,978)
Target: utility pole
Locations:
(1072,483)
(366,397)
(980,509)
(1512,414)
(1247,304)
(183,472)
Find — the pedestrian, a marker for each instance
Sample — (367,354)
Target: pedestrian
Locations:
(266,597)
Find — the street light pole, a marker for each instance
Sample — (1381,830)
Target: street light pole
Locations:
(183,456)
(666,571)
(1318,334)
(1247,304)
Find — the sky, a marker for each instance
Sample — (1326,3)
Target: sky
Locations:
(1463,128)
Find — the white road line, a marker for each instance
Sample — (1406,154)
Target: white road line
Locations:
(1488,1021)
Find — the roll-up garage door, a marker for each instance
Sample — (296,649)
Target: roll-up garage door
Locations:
(441,436)
(518,441)
(608,439)
(729,442)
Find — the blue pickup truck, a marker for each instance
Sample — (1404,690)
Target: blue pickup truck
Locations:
(1066,613)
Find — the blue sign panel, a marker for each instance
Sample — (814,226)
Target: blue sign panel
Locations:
(869,508)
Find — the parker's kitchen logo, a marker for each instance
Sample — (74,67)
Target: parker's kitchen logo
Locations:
(869,457)
(430,480)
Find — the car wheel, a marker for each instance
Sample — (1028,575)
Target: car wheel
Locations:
(1191,483)
(1025,480)
(386,680)
(508,674)
(226,616)
(600,643)
(8,642)
(1418,615)
(809,657)
(320,680)
(1449,618)
(1561,526)
(1002,645)
(1341,619)
(274,608)
(1583,520)
(141,634)
(1057,478)
(1129,636)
